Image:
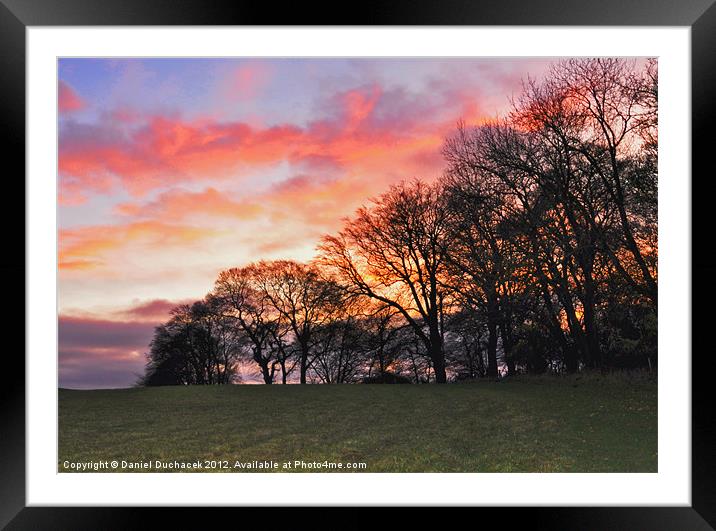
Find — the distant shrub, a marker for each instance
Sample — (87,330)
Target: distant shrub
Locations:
(386,378)
(606,377)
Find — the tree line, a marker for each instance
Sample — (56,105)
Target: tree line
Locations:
(536,251)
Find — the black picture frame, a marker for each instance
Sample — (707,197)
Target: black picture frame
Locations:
(16,15)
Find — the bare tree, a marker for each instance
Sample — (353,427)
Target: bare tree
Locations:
(612,110)
(394,253)
(340,351)
(303,299)
(465,345)
(255,317)
(480,255)
(536,251)
(382,328)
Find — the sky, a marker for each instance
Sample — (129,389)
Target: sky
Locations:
(171,170)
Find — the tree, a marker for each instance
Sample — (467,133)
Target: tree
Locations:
(553,212)
(167,363)
(568,182)
(383,339)
(255,317)
(196,346)
(536,251)
(340,351)
(394,253)
(301,297)
(499,227)
(615,107)
(480,252)
(465,345)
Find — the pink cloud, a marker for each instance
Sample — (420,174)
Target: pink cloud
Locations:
(369,139)
(359,104)
(153,311)
(246,81)
(67,99)
(365,132)
(184,178)
(166,150)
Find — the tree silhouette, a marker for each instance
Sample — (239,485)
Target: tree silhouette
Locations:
(536,251)
(394,253)
(302,297)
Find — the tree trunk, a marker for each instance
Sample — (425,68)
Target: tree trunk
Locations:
(592,337)
(304,362)
(283,372)
(651,286)
(590,325)
(570,358)
(492,337)
(304,367)
(506,334)
(268,377)
(437,355)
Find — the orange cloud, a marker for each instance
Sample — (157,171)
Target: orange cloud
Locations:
(85,247)
(176,205)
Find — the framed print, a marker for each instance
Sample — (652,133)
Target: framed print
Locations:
(412,260)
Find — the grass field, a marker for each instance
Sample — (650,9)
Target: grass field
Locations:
(533,425)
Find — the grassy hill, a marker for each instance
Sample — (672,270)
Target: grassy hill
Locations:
(589,424)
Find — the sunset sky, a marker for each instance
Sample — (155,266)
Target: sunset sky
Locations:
(173,169)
